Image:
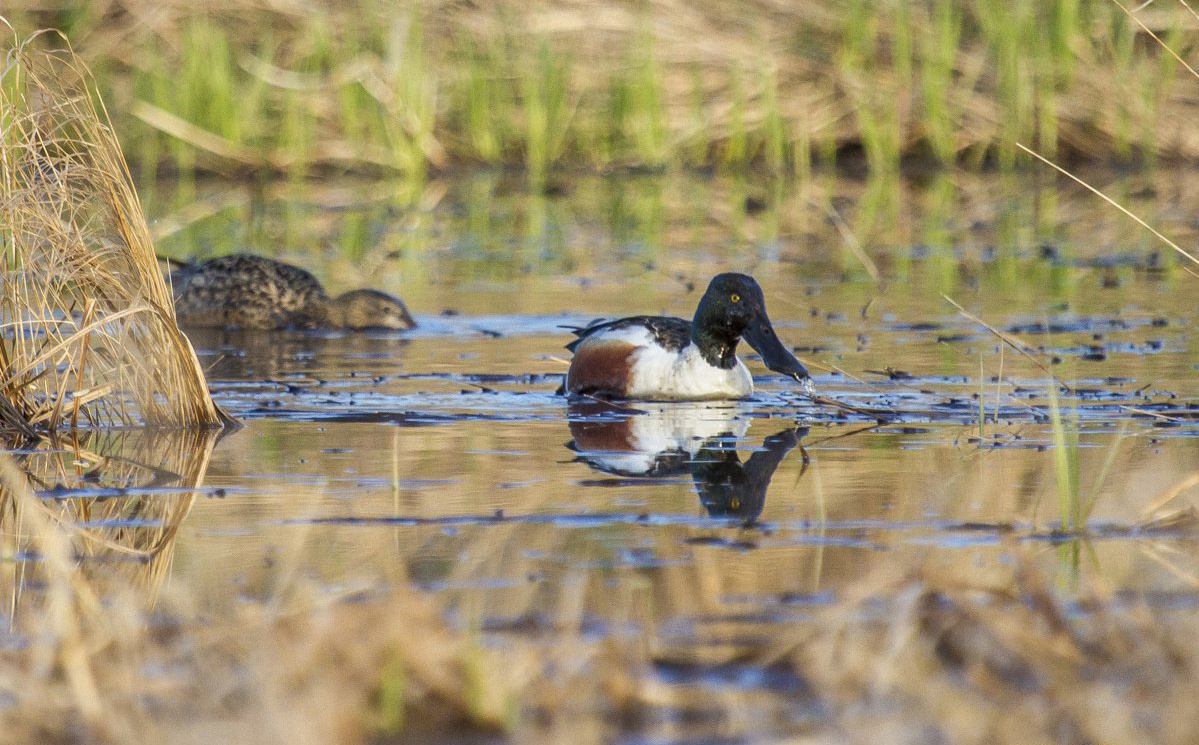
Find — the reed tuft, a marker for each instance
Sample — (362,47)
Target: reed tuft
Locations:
(87,326)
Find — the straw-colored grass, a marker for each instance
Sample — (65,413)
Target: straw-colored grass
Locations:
(88,333)
(927,657)
(104,661)
(408,87)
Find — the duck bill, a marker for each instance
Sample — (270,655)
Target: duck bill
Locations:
(775,356)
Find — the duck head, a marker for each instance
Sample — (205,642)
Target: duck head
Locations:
(733,308)
(369,309)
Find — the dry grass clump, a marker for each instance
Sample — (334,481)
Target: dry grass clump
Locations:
(934,659)
(89,334)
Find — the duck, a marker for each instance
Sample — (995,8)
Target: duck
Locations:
(250,292)
(663,358)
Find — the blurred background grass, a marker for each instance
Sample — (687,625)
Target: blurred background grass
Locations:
(368,86)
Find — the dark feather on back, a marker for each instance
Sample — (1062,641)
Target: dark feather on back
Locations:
(247,291)
(673,334)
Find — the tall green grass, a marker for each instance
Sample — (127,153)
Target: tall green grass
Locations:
(1075,504)
(408,89)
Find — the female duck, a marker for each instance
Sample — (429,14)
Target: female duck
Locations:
(664,358)
(253,292)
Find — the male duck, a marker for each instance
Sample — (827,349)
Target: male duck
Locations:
(665,358)
(253,292)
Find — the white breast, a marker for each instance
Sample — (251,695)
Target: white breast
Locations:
(685,427)
(685,375)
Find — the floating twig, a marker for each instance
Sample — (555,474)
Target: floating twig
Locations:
(1012,341)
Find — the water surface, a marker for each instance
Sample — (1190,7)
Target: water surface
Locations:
(442,458)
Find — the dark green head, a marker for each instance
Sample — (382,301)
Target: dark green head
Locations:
(733,308)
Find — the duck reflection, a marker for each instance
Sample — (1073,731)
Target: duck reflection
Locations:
(678,440)
(729,488)
(258,355)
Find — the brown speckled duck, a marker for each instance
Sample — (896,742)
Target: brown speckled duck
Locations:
(253,292)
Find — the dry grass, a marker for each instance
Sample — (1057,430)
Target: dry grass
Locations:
(89,334)
(930,657)
(111,658)
(375,86)
(934,654)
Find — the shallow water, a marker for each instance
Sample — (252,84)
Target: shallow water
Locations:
(442,457)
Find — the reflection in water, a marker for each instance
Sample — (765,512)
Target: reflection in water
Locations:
(251,355)
(123,495)
(675,440)
(729,488)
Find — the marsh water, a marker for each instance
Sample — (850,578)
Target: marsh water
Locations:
(443,459)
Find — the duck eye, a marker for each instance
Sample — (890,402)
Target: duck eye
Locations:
(735,298)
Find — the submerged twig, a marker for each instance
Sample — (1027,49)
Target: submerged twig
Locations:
(881,415)
(851,240)
(1170,495)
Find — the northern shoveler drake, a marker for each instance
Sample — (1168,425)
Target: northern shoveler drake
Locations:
(665,358)
(253,292)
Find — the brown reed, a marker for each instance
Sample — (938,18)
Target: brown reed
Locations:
(88,331)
